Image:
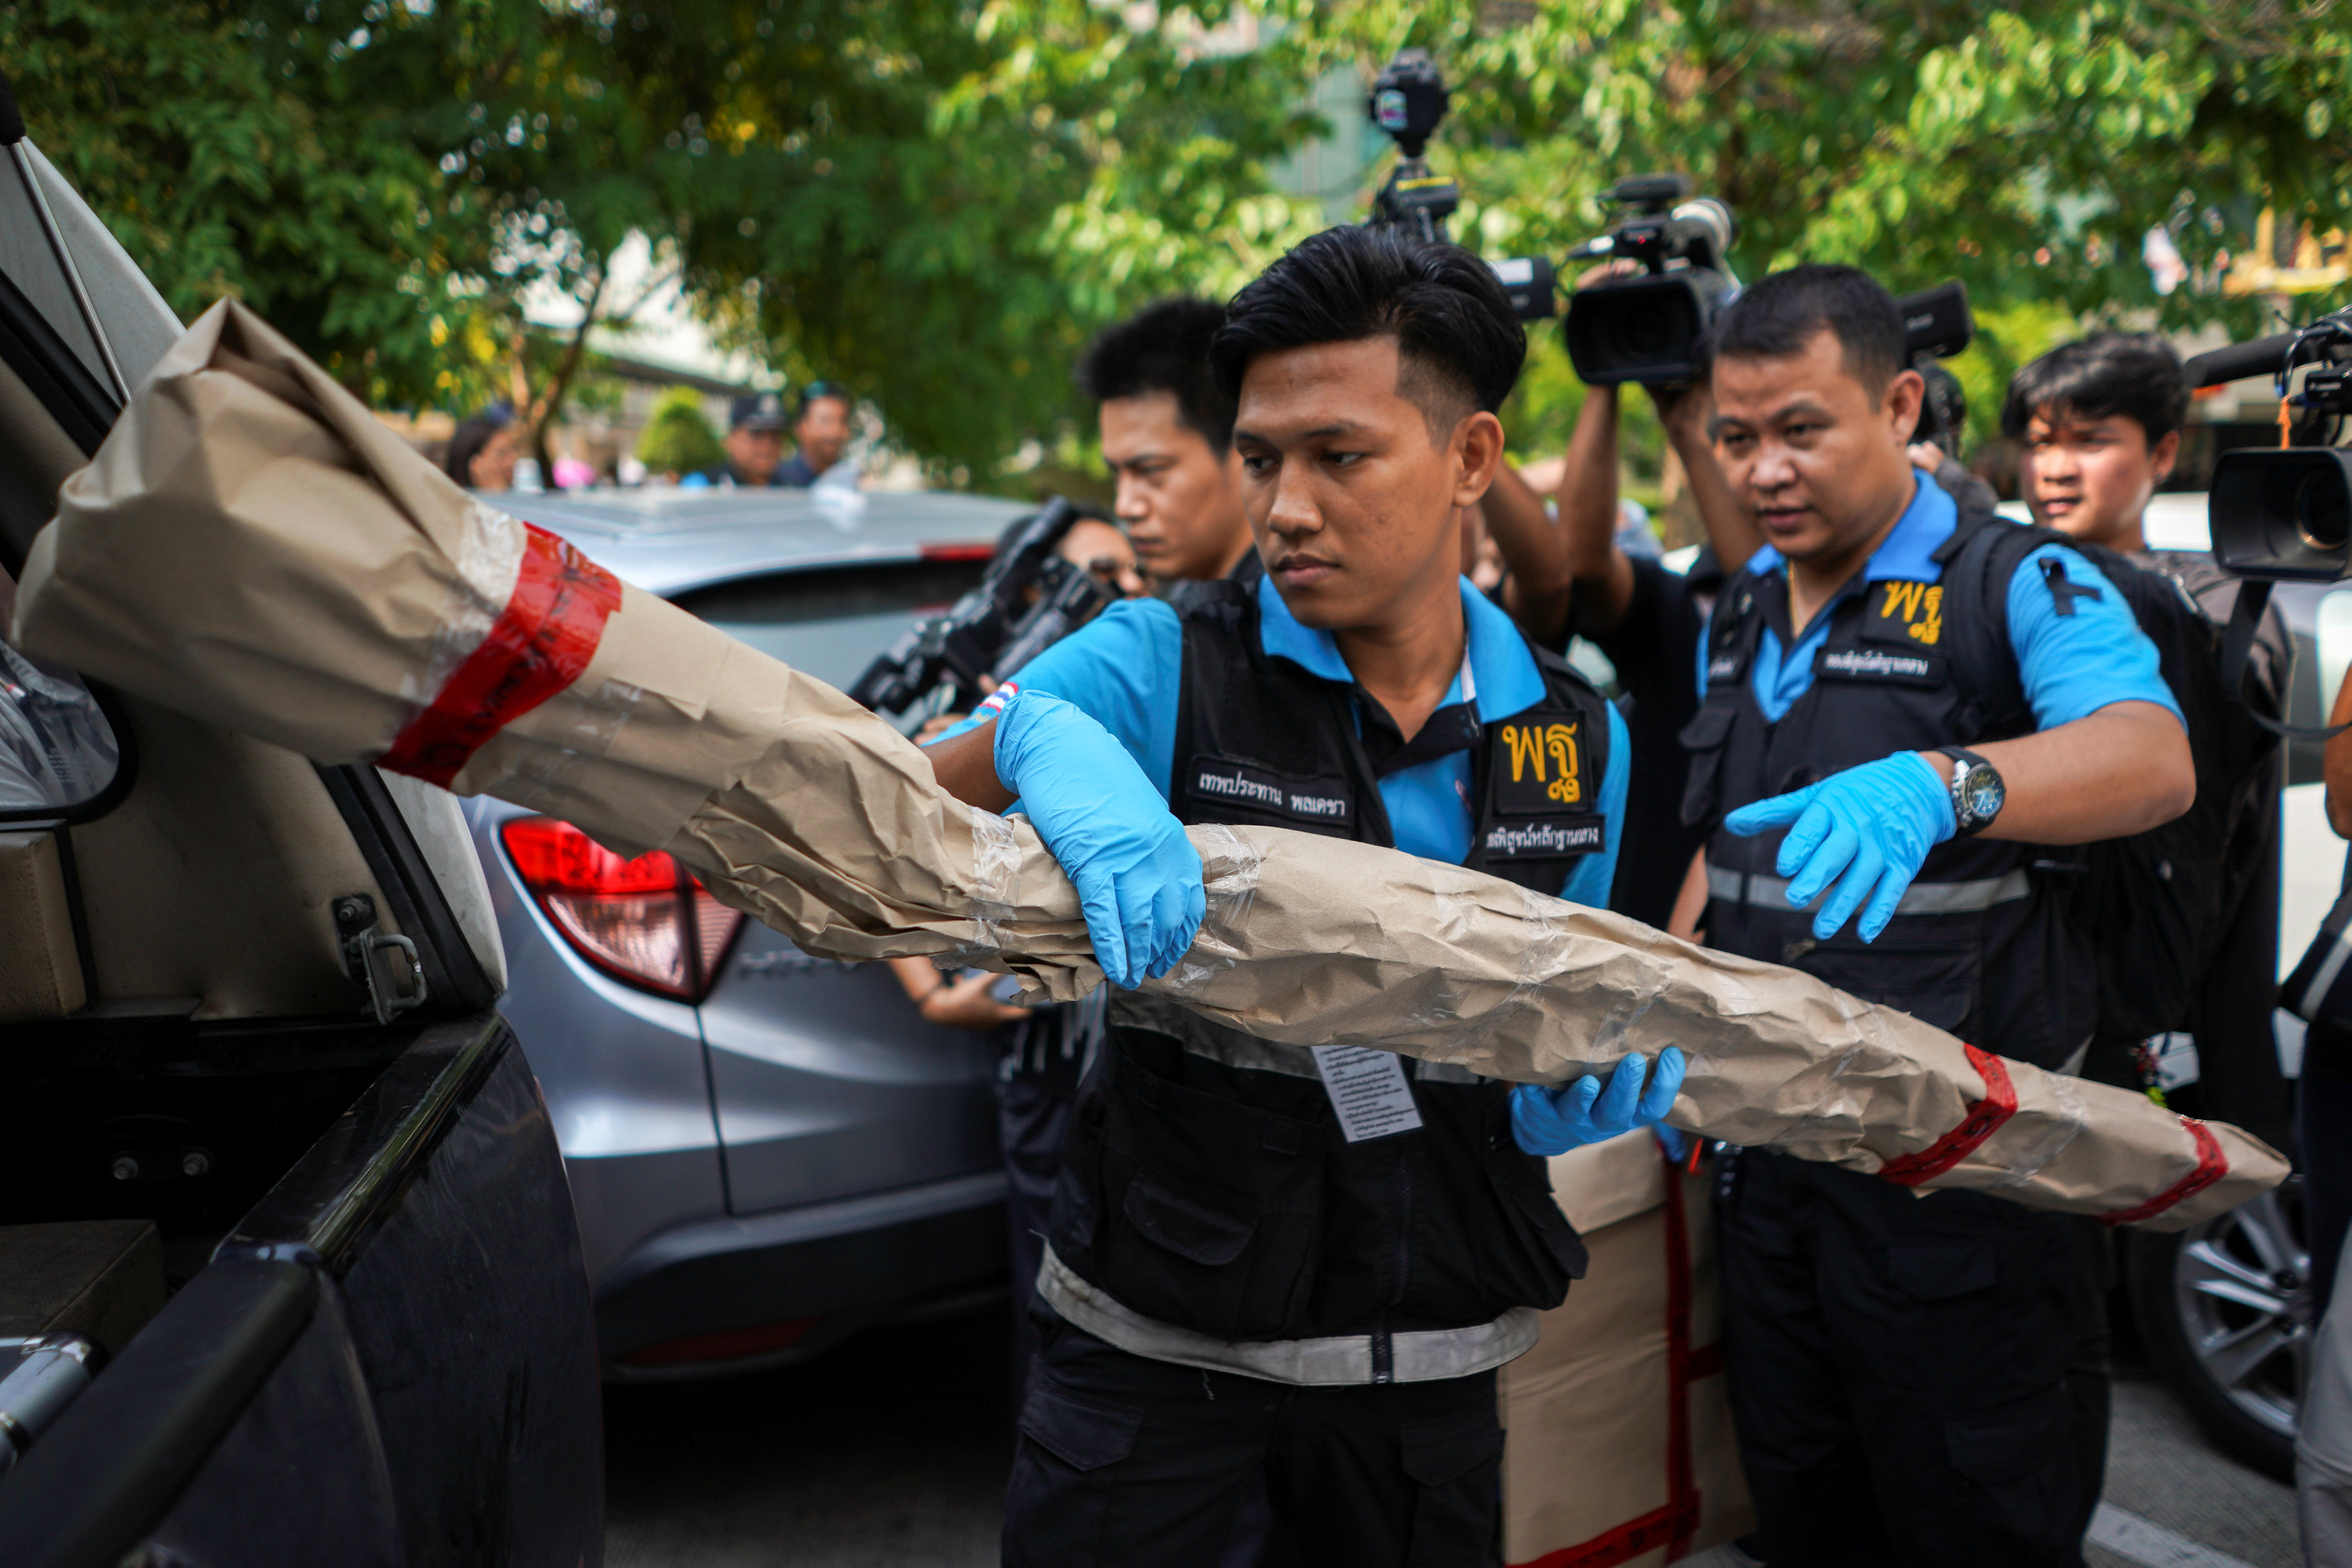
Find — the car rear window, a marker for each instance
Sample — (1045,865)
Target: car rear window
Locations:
(831,623)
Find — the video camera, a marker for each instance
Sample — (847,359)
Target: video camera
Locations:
(1647,328)
(997,627)
(2285,515)
(1642,329)
(1936,326)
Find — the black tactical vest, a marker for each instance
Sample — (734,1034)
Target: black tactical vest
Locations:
(1981,945)
(1205,1182)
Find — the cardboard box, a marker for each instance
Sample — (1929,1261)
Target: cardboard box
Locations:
(1619,1447)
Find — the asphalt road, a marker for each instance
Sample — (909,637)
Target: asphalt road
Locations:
(891,1453)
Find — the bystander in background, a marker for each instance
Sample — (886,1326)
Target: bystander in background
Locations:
(482,452)
(755,447)
(820,436)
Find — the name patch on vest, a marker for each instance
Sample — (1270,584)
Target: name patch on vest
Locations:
(1881,665)
(1907,613)
(1545,840)
(1324,801)
(1538,767)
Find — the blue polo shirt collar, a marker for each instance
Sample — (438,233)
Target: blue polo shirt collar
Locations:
(1907,553)
(1503,675)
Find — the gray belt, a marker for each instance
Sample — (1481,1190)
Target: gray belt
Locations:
(1423,1356)
(1920,898)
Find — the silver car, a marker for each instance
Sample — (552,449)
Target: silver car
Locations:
(768,1150)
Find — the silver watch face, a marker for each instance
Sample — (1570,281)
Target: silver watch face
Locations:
(1979,791)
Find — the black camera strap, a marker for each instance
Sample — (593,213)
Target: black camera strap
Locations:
(2238,647)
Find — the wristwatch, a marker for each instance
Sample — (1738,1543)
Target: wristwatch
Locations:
(1977,793)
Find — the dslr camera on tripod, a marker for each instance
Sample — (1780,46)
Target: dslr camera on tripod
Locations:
(1646,327)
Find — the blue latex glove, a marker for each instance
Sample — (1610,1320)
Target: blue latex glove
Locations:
(1870,828)
(1137,877)
(1547,1121)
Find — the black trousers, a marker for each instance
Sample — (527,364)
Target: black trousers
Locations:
(1143,1463)
(1032,1111)
(1898,1371)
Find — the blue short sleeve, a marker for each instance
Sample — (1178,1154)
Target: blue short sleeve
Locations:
(2072,665)
(1594,875)
(1122,669)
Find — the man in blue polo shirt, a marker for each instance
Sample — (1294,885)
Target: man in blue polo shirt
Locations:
(1889,747)
(1278,1280)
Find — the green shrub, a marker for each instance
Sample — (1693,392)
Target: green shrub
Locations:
(678,439)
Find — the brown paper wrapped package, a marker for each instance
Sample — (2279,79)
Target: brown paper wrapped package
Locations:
(252,547)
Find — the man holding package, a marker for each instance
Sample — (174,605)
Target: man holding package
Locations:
(1885,737)
(1279,1278)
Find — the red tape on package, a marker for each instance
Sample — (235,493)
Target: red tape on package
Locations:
(539,645)
(1984,1119)
(2211,1166)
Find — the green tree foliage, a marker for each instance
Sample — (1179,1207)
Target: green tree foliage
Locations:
(930,200)
(677,438)
(241,150)
(2025,150)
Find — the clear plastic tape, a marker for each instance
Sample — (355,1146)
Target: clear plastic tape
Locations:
(1543,954)
(1837,1109)
(1230,866)
(488,563)
(2065,1124)
(995,870)
(593,721)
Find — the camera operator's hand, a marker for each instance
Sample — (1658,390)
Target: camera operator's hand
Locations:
(1137,877)
(1869,828)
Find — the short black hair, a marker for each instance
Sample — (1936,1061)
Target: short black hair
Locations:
(1460,342)
(2135,374)
(1164,347)
(1776,316)
(467,441)
(817,390)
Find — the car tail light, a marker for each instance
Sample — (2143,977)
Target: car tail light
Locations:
(644,921)
(977,549)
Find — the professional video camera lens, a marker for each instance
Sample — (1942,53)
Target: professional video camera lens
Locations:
(2323,513)
(2283,515)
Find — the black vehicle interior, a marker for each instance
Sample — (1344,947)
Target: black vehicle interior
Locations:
(199,969)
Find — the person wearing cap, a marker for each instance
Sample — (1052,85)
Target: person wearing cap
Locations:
(755,447)
(819,434)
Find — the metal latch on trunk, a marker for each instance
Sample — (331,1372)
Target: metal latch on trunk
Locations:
(383,962)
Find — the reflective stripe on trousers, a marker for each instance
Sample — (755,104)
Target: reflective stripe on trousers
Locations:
(1420,1355)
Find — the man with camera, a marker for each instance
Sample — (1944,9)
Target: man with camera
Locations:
(1167,434)
(1279,1280)
(1571,578)
(1888,740)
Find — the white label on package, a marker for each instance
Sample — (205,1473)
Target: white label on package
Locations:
(1368,1089)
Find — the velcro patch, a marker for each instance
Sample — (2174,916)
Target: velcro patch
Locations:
(1890,665)
(1906,612)
(1538,767)
(1553,839)
(1327,803)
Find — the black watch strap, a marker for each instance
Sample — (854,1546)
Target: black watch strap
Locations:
(1967,820)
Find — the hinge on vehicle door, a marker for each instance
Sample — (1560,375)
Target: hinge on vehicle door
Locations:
(384,964)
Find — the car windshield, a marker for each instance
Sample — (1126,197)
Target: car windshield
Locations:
(831,623)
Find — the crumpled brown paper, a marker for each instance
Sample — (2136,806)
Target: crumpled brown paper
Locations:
(251,547)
